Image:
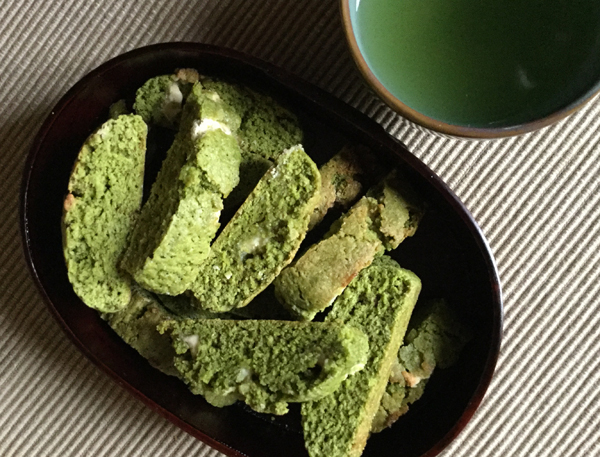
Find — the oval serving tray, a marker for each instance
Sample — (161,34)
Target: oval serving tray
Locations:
(448,253)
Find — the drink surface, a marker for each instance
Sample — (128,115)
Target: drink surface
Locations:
(481,63)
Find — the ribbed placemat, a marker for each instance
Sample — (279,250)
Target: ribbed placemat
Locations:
(536,197)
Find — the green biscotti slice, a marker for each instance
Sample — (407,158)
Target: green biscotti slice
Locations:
(262,237)
(265,363)
(380,302)
(236,96)
(160,100)
(377,222)
(343,178)
(105,193)
(137,323)
(395,402)
(312,282)
(267,128)
(401,210)
(435,339)
(179,220)
(340,183)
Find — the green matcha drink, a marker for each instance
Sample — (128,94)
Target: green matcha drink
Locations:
(483,63)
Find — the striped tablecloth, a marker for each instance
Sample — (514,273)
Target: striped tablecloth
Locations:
(536,197)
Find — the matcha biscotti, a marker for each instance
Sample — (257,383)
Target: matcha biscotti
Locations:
(267,128)
(379,302)
(179,220)
(137,323)
(434,339)
(343,178)
(313,281)
(377,222)
(400,210)
(160,100)
(265,363)
(262,237)
(105,193)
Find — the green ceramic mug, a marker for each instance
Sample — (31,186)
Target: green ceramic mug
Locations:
(478,68)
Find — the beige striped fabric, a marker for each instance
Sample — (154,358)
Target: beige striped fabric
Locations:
(536,197)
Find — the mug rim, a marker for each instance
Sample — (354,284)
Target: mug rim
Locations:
(442,127)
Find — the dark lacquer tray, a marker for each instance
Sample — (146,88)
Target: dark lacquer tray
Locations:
(448,252)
